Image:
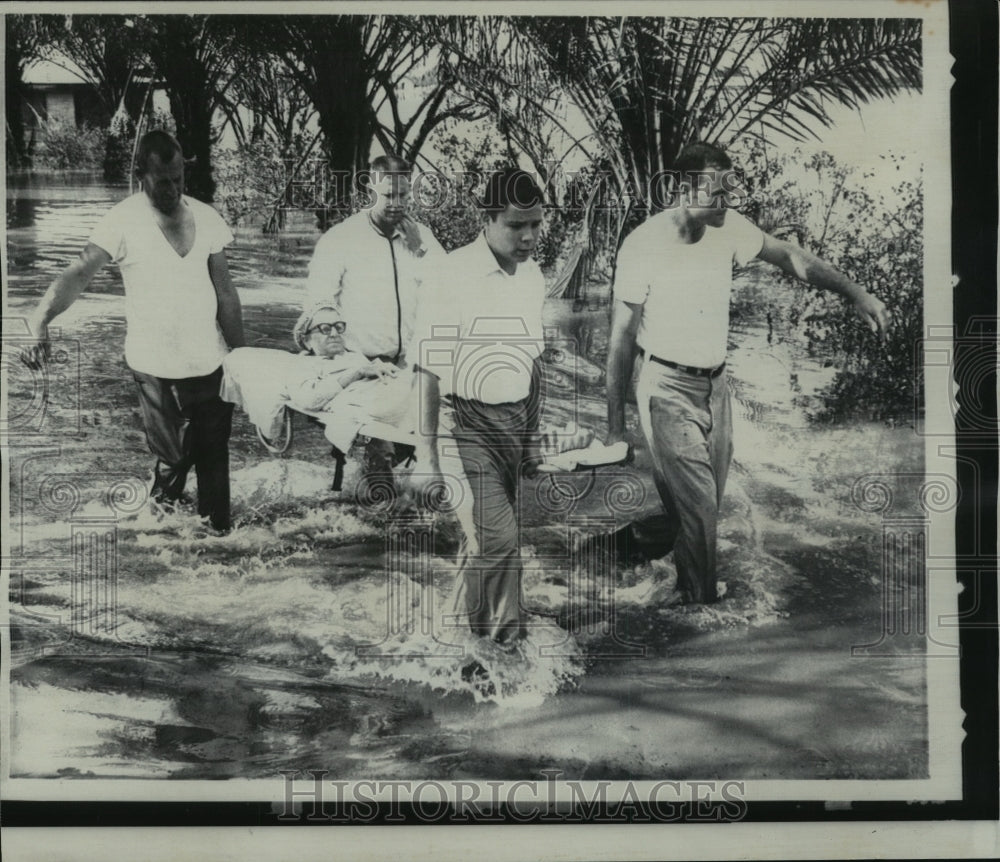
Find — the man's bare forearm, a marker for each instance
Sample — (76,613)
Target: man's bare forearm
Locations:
(429,406)
(230,316)
(67,286)
(807,266)
(621,357)
(62,293)
(817,272)
(230,309)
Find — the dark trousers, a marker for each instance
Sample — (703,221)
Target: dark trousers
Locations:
(188,425)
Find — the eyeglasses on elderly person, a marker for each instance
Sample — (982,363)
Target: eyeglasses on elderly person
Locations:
(327,328)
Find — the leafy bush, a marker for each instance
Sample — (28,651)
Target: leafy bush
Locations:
(477,148)
(253,182)
(65,146)
(449,211)
(119,146)
(873,233)
(162,119)
(456,220)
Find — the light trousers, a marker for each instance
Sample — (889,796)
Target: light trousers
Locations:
(687,422)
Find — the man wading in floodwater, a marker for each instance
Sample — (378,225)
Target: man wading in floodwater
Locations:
(182,314)
(476,348)
(672,286)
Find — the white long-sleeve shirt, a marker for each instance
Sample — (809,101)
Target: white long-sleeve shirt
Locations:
(374,280)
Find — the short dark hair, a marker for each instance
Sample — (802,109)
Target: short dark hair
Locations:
(698,157)
(158,142)
(510,187)
(390,164)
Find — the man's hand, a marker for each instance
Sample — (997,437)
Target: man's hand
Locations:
(411,236)
(873,312)
(230,310)
(62,293)
(38,350)
(617,435)
(552,440)
(533,456)
(614,437)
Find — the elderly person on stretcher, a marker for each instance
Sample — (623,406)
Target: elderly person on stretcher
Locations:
(347,390)
(350,394)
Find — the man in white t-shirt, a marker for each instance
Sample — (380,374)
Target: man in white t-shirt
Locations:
(476,347)
(182,315)
(671,305)
(371,266)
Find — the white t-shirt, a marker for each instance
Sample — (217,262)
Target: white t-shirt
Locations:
(684,288)
(479,329)
(360,270)
(170,301)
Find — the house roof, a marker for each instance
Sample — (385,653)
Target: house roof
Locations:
(49,72)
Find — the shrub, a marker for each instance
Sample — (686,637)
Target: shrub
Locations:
(119,146)
(874,237)
(253,182)
(65,146)
(456,220)
(161,119)
(449,211)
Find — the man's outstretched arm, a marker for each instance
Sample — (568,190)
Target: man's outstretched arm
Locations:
(62,293)
(807,266)
(621,359)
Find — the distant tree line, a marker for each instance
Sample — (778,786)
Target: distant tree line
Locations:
(620,96)
(638,88)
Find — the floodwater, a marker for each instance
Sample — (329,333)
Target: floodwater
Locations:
(312,636)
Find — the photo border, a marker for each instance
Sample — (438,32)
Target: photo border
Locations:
(972,227)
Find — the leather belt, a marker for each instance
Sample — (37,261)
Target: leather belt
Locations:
(687,369)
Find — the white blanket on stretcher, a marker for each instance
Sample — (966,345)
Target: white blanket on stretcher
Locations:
(263,382)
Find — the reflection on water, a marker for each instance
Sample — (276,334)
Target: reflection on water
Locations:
(238,656)
(20,211)
(49,219)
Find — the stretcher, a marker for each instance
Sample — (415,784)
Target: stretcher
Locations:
(253,379)
(371,429)
(258,380)
(589,457)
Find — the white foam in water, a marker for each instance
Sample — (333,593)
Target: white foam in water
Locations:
(297,584)
(275,483)
(258,605)
(430,649)
(65,724)
(332,524)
